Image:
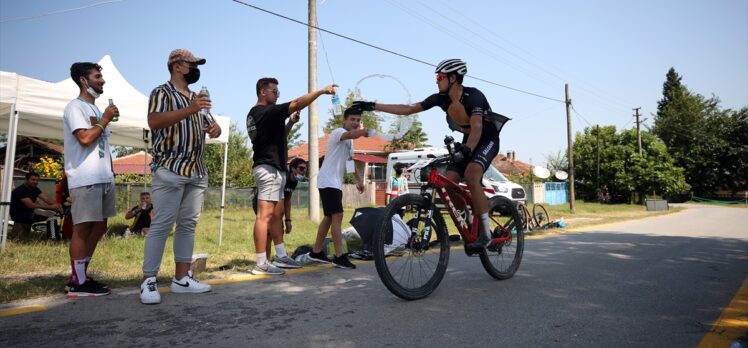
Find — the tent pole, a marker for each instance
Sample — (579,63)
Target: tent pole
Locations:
(8,170)
(223,191)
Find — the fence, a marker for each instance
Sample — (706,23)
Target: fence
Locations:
(128,195)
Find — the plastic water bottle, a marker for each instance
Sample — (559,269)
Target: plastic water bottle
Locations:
(206,95)
(336,104)
(127,233)
(206,111)
(116,116)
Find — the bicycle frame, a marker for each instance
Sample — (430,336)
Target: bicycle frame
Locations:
(441,184)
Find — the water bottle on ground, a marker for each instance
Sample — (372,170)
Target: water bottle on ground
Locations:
(128,233)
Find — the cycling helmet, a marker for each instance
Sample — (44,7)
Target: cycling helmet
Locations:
(452,66)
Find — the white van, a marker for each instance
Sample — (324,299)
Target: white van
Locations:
(494,182)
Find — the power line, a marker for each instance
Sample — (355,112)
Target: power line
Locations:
(386,50)
(18,19)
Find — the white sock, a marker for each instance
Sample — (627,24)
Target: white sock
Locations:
(280,250)
(88,261)
(79,266)
(486,224)
(262,258)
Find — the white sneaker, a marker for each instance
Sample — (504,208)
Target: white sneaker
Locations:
(149,291)
(267,268)
(286,262)
(188,285)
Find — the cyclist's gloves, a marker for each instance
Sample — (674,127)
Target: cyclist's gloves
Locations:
(363,105)
(462,152)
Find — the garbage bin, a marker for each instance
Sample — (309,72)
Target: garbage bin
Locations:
(656,204)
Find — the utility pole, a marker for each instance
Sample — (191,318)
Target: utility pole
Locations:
(597,138)
(313,140)
(638,131)
(571,149)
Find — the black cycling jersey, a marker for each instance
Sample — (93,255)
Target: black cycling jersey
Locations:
(475,103)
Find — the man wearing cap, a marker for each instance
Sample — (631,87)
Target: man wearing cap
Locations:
(179,120)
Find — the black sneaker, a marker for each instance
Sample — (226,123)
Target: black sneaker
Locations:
(343,262)
(88,279)
(87,289)
(318,257)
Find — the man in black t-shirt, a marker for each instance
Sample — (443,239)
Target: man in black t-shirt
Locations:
(23,203)
(266,128)
(467,112)
(143,213)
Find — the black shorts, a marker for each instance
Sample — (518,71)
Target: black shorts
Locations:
(332,200)
(484,153)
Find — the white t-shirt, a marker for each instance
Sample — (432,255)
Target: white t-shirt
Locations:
(333,168)
(85,165)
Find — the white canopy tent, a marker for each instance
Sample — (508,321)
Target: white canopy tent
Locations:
(32,107)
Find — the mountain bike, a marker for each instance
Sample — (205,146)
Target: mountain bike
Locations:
(421,239)
(539,218)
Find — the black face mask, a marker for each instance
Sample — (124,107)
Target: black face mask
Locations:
(398,171)
(192,76)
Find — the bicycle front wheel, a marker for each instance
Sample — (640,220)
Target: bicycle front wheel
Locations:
(502,260)
(540,215)
(410,263)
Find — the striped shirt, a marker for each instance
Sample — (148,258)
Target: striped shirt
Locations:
(181,146)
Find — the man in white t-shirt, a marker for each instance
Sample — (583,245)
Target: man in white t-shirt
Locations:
(88,166)
(330,185)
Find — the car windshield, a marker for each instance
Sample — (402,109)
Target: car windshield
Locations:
(493,174)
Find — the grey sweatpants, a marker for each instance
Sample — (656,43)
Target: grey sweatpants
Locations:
(176,198)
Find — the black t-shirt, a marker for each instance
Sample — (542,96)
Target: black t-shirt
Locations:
(19,212)
(266,126)
(474,102)
(290,185)
(144,219)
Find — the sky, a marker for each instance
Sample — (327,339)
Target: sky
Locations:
(613,54)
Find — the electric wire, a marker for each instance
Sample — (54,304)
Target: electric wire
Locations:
(386,50)
(18,19)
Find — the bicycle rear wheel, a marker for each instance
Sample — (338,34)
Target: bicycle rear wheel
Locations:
(413,265)
(502,260)
(540,215)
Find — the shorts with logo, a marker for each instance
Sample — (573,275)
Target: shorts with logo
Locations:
(484,153)
(332,200)
(93,203)
(270,182)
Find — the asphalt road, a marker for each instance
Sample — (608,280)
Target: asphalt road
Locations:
(660,281)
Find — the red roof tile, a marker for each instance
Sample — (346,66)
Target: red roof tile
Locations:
(363,145)
(131,164)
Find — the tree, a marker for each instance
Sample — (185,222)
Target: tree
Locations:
(414,137)
(623,171)
(557,161)
(703,139)
(294,137)
(368,118)
(239,163)
(123,151)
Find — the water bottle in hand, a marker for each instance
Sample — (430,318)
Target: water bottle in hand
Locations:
(206,111)
(116,116)
(336,104)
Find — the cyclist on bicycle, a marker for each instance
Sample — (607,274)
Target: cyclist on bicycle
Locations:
(468,112)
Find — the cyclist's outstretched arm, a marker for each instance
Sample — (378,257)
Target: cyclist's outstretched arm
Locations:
(399,109)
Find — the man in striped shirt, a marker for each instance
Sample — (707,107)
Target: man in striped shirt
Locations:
(179,120)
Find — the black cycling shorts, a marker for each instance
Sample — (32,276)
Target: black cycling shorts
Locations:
(332,200)
(483,154)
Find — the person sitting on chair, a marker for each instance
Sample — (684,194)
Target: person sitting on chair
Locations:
(143,213)
(23,203)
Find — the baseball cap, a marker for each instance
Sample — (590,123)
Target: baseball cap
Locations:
(181,54)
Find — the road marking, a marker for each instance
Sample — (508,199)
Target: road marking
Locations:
(22,310)
(732,324)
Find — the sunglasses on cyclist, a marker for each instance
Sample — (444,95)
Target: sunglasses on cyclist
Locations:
(440,77)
